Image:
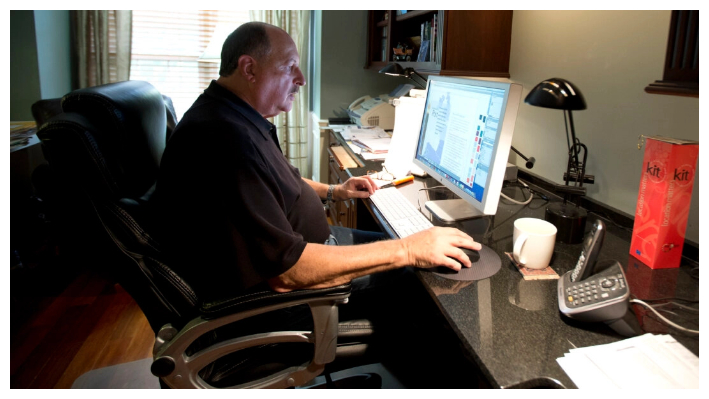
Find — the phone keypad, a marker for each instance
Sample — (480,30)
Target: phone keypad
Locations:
(596,290)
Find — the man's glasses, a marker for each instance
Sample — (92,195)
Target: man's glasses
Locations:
(383,175)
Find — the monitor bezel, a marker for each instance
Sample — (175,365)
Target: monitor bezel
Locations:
(501,149)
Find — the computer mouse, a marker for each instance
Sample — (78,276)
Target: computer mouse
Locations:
(472,254)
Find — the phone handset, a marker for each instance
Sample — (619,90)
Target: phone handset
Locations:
(592,243)
(602,296)
(359,101)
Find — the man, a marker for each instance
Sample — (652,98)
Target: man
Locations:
(237,215)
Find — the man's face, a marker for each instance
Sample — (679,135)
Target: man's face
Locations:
(280,77)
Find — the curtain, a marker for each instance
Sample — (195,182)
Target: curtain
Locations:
(293,126)
(101,42)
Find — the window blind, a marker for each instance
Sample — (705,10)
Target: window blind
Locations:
(166,46)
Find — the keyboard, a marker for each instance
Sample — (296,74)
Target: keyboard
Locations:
(401,214)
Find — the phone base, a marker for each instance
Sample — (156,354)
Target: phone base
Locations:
(627,325)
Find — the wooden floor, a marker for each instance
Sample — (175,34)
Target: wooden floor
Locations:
(65,324)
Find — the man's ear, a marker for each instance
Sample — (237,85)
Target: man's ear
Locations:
(247,67)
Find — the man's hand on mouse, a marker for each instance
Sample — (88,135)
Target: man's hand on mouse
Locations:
(436,246)
(355,187)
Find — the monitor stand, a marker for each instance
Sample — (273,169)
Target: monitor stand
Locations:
(452,210)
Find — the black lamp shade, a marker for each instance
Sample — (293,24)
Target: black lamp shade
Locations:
(556,93)
(394,69)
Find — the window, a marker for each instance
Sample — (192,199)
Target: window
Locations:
(166,47)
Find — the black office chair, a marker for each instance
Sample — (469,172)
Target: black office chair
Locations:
(106,147)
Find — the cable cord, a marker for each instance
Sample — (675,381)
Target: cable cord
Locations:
(663,318)
(531,195)
(518,202)
(426,189)
(679,305)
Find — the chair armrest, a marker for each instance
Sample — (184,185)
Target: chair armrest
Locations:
(181,371)
(263,298)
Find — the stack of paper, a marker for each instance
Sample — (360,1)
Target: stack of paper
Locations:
(648,361)
(377,146)
(367,132)
(369,142)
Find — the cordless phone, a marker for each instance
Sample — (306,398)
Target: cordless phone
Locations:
(591,247)
(597,297)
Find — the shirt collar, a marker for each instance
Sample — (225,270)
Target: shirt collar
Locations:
(267,129)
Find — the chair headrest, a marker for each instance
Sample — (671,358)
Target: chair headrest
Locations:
(129,122)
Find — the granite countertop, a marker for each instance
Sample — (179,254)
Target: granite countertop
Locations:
(512,327)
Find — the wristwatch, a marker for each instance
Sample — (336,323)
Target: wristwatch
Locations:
(330,190)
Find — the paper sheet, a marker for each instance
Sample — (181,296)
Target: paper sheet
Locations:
(644,362)
(407,124)
(358,132)
(370,156)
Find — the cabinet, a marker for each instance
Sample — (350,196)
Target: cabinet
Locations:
(472,43)
(341,213)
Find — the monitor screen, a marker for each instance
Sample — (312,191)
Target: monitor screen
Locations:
(465,137)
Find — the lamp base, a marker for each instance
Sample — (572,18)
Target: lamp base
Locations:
(569,219)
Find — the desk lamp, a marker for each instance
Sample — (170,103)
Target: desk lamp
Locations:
(395,69)
(569,218)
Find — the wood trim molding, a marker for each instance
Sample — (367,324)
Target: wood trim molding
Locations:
(681,70)
(686,89)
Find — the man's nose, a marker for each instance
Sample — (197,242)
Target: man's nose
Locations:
(300,78)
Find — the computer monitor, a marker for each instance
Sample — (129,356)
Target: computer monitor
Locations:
(465,140)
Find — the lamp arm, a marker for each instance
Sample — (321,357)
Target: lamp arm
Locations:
(573,138)
(582,172)
(530,161)
(424,80)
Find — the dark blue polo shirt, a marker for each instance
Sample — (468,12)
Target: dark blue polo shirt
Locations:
(233,211)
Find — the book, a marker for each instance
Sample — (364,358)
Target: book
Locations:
(423,51)
(433,40)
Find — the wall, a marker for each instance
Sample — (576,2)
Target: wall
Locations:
(24,71)
(40,59)
(343,55)
(340,77)
(611,56)
(53,33)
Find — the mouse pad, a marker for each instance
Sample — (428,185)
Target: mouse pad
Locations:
(486,265)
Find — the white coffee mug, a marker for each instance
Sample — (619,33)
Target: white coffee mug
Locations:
(533,242)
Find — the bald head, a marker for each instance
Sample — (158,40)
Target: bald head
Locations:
(261,65)
(250,39)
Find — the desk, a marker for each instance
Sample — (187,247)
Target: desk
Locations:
(512,328)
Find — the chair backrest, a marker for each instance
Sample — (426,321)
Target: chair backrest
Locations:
(107,144)
(43,110)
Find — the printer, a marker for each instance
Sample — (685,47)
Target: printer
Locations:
(376,111)
(372,111)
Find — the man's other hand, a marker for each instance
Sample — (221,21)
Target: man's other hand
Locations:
(355,187)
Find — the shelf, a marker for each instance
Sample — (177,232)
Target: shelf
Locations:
(413,14)
(422,67)
(476,42)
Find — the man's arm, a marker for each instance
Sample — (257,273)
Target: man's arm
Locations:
(322,266)
(354,187)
